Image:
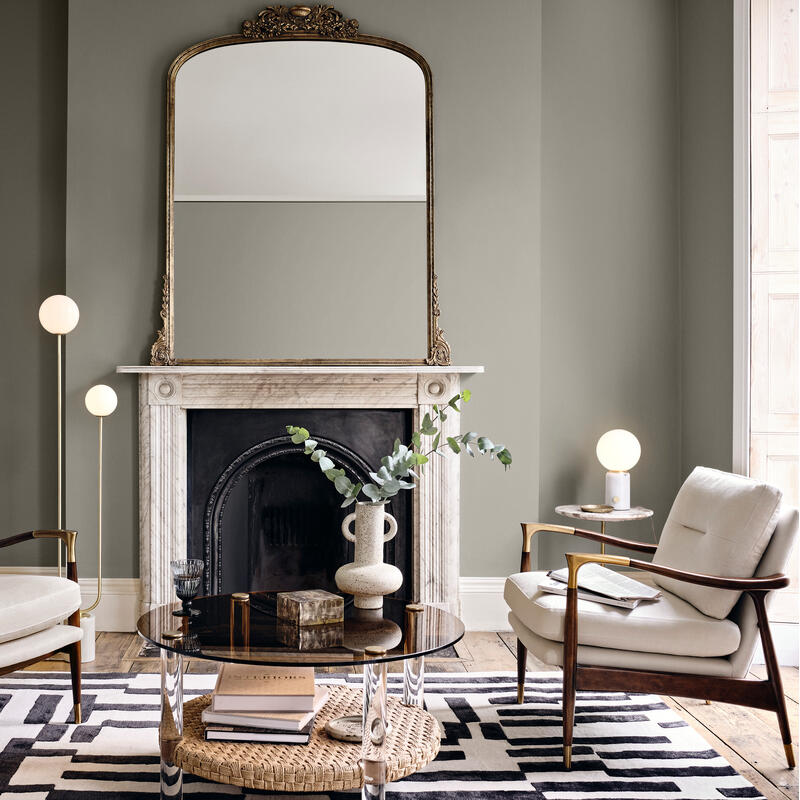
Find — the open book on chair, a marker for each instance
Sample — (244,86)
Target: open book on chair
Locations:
(596,582)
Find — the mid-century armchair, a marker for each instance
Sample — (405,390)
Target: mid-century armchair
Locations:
(32,608)
(699,638)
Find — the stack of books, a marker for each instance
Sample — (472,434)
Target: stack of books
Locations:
(263,704)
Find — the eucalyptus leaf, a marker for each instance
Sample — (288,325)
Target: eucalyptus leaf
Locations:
(326,464)
(343,485)
(372,491)
(453,445)
(310,446)
(416,439)
(435,445)
(316,455)
(466,395)
(485,444)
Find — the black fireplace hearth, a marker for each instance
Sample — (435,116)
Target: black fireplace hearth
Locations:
(263,516)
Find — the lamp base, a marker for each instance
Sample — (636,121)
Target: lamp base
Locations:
(618,490)
(87,643)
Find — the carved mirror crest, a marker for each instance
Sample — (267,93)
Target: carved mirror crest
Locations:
(299,208)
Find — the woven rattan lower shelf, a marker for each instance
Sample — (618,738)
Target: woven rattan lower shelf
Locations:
(324,765)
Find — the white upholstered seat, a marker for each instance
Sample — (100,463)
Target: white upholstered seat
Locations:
(668,625)
(31,603)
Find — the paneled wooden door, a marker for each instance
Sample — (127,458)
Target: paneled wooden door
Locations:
(775,275)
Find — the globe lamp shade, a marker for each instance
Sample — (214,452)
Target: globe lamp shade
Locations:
(101,400)
(59,314)
(618,451)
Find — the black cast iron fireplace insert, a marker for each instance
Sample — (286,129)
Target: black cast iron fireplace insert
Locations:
(263,516)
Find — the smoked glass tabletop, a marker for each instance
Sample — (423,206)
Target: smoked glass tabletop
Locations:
(250,632)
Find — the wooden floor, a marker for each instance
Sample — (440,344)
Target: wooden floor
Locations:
(747,738)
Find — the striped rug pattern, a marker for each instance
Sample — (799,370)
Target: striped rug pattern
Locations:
(626,745)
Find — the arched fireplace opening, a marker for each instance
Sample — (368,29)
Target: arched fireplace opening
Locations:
(263,516)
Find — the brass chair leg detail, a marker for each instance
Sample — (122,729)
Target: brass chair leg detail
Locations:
(76,710)
(708,702)
(789,755)
(567,756)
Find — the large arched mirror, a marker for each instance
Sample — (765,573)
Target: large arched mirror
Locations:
(299,198)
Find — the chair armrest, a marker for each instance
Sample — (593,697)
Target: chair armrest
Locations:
(68,537)
(765,584)
(531,528)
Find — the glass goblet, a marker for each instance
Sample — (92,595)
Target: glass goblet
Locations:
(187,573)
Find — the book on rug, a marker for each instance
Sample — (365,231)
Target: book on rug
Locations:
(293,721)
(250,687)
(238,733)
(600,580)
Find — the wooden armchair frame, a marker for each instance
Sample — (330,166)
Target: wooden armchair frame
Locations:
(72,650)
(766,694)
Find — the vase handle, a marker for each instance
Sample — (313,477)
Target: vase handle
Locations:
(346,527)
(390,534)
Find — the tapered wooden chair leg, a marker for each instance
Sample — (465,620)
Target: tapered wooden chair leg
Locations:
(774,675)
(522,657)
(75,673)
(570,666)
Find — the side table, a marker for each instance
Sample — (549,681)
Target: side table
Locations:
(574,511)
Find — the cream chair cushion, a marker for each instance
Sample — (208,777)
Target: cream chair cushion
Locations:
(719,524)
(31,603)
(553,653)
(38,644)
(669,625)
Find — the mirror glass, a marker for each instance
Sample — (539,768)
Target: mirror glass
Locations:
(300,215)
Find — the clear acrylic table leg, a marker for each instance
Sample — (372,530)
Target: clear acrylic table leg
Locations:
(170,729)
(413,666)
(374,745)
(414,681)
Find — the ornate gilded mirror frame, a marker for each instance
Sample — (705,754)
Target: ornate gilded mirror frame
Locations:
(283,23)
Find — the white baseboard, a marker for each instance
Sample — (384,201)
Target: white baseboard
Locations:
(482,604)
(787,644)
(483,609)
(119,607)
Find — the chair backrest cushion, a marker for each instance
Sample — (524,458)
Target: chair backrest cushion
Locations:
(720,524)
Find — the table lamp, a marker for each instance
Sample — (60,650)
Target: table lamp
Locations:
(100,400)
(618,451)
(59,314)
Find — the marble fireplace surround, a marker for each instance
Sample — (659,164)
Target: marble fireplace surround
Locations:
(166,393)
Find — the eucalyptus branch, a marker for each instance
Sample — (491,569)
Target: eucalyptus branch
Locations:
(396,472)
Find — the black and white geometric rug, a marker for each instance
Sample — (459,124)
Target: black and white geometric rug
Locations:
(626,745)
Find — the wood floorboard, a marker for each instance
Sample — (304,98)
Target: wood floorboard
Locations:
(747,738)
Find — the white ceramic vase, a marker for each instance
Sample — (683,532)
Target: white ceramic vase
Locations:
(367,578)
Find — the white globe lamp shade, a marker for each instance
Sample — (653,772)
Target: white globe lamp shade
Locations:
(59,314)
(101,400)
(618,450)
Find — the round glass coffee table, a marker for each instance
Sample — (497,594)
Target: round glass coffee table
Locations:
(245,629)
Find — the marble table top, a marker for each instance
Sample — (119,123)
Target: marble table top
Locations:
(574,511)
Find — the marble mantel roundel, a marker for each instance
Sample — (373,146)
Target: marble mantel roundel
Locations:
(166,393)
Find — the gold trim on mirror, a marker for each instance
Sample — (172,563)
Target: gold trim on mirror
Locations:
(306,23)
(276,21)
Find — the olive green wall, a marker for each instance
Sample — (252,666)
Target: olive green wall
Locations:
(32,190)
(610,300)
(705,32)
(608,110)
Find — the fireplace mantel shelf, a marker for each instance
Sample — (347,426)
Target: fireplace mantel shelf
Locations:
(222,369)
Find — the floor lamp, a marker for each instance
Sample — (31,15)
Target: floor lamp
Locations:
(59,314)
(101,400)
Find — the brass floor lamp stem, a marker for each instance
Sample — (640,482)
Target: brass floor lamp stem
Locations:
(60,478)
(94,605)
